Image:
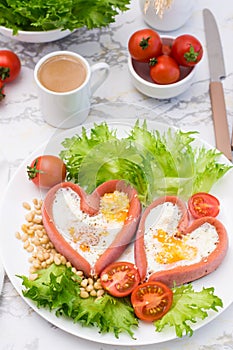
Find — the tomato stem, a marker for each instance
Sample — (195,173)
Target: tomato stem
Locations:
(153,61)
(2,95)
(144,43)
(4,72)
(191,55)
(33,171)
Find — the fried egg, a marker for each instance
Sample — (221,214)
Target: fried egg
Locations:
(166,248)
(89,235)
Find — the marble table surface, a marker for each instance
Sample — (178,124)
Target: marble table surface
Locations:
(22,130)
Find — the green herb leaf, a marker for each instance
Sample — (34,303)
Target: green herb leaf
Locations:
(58,289)
(188,306)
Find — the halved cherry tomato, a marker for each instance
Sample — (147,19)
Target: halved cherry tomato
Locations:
(120,278)
(187,50)
(164,70)
(151,300)
(145,44)
(47,171)
(203,204)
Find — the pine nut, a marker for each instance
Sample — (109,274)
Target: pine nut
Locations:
(84,283)
(79,273)
(26,244)
(24,238)
(30,248)
(90,281)
(93,293)
(100,293)
(26,206)
(57,261)
(89,287)
(17,235)
(97,285)
(37,220)
(84,294)
(35,201)
(30,216)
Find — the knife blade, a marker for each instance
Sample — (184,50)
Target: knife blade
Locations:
(217,73)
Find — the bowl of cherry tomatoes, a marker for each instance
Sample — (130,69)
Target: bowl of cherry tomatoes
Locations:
(163,66)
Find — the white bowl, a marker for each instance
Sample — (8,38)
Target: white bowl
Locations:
(35,37)
(140,76)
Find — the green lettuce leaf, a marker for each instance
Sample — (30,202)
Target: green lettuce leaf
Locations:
(155,164)
(109,314)
(58,288)
(188,306)
(41,15)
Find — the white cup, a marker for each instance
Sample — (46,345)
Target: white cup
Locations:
(69,108)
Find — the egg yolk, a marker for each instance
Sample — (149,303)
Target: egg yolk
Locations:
(114,206)
(173,249)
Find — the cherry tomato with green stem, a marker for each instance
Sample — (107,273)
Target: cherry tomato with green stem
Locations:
(145,44)
(46,171)
(10,66)
(187,50)
(164,70)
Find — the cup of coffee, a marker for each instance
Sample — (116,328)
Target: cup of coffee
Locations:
(66,82)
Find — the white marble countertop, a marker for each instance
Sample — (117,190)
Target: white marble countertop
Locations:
(22,129)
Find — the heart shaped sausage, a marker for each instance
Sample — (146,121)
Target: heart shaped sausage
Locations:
(73,222)
(169,250)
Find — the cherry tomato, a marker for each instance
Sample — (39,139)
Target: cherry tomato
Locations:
(166,49)
(203,204)
(151,300)
(46,171)
(164,70)
(187,50)
(9,66)
(2,95)
(120,278)
(145,44)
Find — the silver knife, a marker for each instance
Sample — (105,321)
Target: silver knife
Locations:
(217,72)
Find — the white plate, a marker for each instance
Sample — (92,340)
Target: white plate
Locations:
(35,37)
(4,175)
(20,190)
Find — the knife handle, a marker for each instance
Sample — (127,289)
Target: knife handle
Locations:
(222,136)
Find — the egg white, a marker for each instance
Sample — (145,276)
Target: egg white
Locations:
(77,226)
(166,217)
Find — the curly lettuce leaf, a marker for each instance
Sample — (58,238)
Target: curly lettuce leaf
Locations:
(42,15)
(109,314)
(178,167)
(188,306)
(58,288)
(78,147)
(155,164)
